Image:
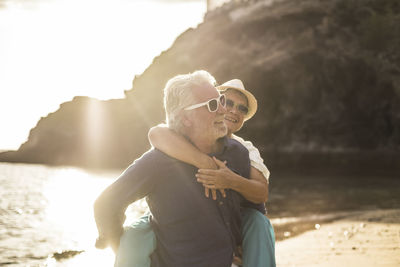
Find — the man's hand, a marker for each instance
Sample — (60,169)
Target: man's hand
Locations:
(215,179)
(102,243)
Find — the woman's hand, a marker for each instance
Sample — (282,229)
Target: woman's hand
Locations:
(254,189)
(214,193)
(219,179)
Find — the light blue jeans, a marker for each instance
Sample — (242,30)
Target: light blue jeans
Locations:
(258,244)
(136,245)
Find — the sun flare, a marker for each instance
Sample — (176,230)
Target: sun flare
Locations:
(70,194)
(54,50)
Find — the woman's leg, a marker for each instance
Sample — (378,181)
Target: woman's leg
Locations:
(258,242)
(136,245)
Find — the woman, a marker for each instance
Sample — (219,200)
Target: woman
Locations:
(258,237)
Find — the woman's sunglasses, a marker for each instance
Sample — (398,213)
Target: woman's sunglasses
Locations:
(212,104)
(241,108)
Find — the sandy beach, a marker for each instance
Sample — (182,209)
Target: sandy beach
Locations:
(361,238)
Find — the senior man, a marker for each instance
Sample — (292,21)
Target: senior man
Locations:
(190,229)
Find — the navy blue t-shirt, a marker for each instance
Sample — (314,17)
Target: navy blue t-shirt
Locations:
(191,230)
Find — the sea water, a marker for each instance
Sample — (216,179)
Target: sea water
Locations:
(47,212)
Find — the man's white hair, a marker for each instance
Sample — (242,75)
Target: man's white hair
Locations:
(178,94)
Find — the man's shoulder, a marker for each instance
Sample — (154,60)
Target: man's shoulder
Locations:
(236,146)
(235,151)
(153,155)
(248,144)
(151,163)
(237,157)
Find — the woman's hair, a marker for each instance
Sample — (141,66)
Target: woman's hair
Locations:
(178,94)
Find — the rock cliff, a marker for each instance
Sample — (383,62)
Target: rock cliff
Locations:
(325,73)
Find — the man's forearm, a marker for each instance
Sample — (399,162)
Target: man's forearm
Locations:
(108,220)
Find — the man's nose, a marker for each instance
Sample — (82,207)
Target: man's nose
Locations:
(221,108)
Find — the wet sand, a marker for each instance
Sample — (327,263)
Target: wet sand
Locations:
(362,238)
(336,218)
(300,199)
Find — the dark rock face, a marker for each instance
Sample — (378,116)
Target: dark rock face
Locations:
(325,73)
(85,132)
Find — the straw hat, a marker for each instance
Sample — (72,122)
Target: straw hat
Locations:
(238,85)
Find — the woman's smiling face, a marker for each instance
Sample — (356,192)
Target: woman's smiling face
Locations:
(234,116)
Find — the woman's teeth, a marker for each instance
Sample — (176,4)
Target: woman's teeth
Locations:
(230,119)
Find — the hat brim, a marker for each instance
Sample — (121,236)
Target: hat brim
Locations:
(252,101)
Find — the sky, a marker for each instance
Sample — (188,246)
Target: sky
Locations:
(53,50)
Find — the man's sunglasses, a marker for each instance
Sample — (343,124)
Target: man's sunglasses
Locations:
(241,108)
(211,104)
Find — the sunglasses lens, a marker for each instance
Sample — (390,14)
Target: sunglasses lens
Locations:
(243,109)
(213,105)
(222,100)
